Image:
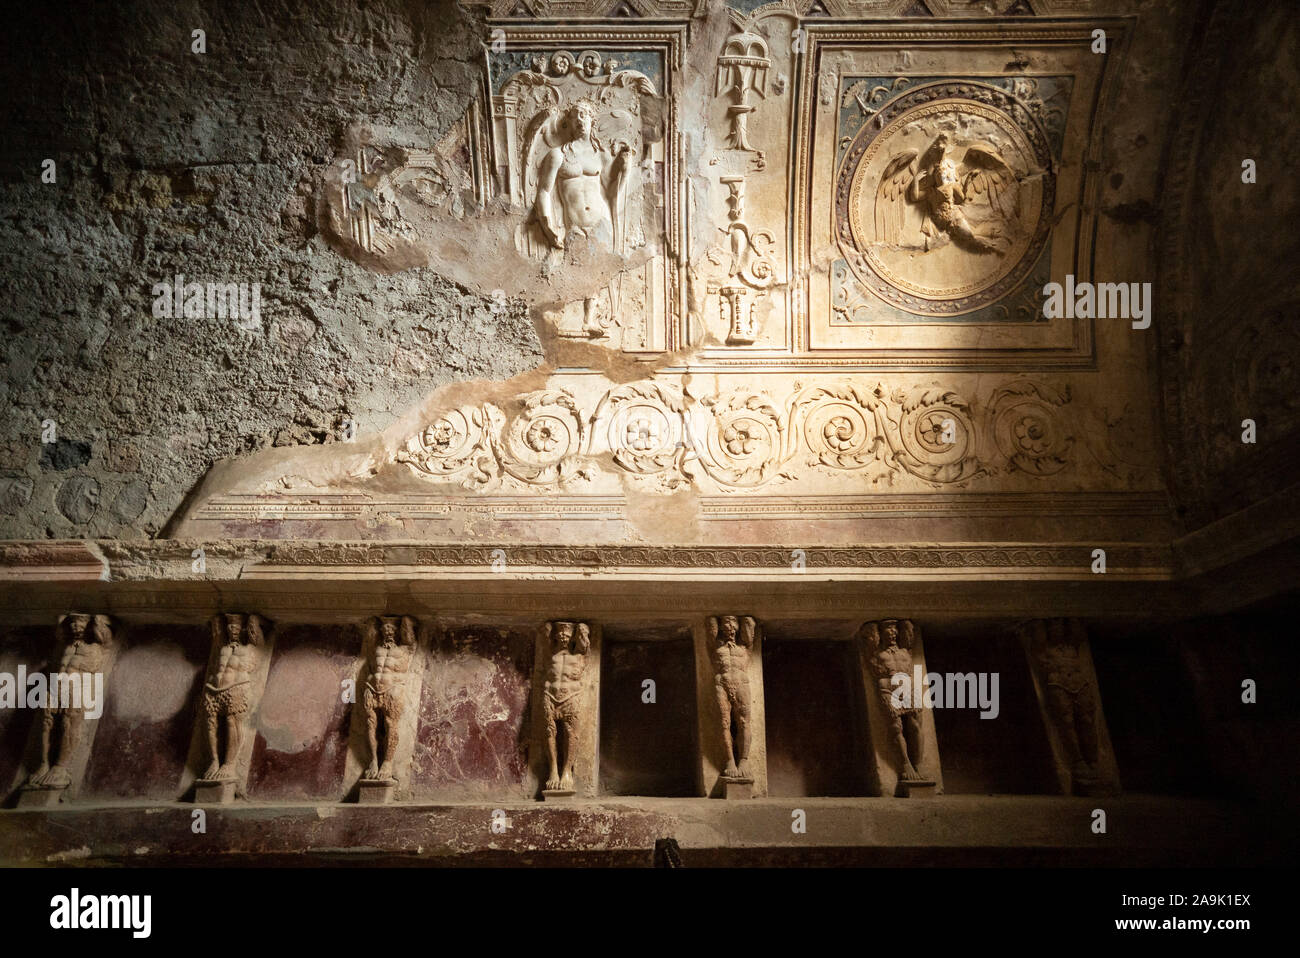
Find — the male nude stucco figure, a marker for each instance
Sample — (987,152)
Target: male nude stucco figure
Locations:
(391,645)
(890,647)
(582,191)
(579,186)
(562,700)
(730,641)
(1071,693)
(86,639)
(237,645)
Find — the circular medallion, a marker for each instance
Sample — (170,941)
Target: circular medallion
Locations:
(942,197)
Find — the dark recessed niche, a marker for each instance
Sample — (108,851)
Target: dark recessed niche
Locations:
(648,748)
(1008,754)
(815,732)
(1145,692)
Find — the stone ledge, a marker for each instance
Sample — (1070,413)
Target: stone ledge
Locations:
(155,579)
(342,600)
(975,829)
(231,559)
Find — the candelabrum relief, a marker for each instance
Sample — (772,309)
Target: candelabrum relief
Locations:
(731,638)
(84,650)
(742,79)
(1066,683)
(739,199)
(891,651)
(232,688)
(568,713)
(749,269)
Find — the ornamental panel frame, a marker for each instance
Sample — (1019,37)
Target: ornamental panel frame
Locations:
(970,62)
(665,295)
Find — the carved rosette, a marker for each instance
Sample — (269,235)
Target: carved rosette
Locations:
(936,436)
(539,443)
(843,425)
(1027,427)
(644,426)
(451,446)
(745,439)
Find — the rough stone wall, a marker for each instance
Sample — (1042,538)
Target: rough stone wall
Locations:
(171,162)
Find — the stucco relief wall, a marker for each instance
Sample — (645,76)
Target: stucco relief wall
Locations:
(411,222)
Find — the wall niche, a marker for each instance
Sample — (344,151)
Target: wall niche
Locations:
(1008,754)
(648,734)
(817,741)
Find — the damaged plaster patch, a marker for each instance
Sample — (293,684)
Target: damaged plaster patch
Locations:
(151,683)
(291,718)
(72,854)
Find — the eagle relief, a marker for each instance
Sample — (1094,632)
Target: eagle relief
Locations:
(943,197)
(941,188)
